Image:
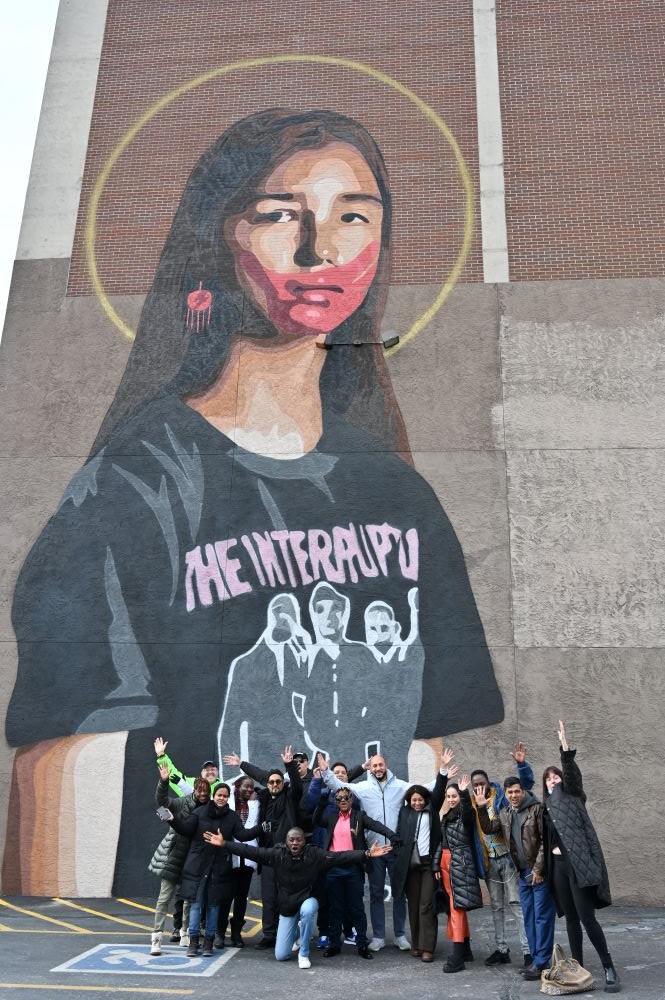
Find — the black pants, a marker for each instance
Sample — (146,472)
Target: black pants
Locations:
(241,878)
(270,916)
(345,887)
(578,905)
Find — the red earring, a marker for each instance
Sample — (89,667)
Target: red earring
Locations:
(199,305)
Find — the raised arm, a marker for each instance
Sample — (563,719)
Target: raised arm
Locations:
(518,753)
(572,776)
(181,782)
(265,855)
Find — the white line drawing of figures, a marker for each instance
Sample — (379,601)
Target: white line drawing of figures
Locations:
(383,633)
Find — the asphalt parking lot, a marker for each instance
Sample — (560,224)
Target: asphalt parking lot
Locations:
(81,948)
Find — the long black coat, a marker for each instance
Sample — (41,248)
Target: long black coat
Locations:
(208,867)
(407,823)
(565,811)
(457,835)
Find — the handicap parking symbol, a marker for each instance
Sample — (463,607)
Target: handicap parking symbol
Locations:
(135,959)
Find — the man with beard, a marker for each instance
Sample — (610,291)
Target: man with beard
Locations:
(279,805)
(296,866)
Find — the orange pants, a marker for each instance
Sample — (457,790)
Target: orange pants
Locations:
(457,927)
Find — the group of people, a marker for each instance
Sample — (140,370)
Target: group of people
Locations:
(316,832)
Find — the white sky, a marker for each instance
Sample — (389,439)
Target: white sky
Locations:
(26,34)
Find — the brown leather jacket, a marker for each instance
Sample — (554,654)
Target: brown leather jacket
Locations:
(530,815)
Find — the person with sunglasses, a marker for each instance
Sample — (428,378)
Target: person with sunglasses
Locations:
(279,811)
(345,885)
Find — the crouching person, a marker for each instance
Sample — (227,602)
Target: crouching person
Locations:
(296,866)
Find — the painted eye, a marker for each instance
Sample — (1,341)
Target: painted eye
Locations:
(279,215)
(354,217)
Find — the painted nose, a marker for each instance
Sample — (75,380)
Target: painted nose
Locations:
(310,252)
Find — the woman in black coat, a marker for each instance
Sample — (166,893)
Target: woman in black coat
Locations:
(419,834)
(454,865)
(207,872)
(574,862)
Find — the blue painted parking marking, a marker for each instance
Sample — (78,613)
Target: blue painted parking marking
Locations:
(135,959)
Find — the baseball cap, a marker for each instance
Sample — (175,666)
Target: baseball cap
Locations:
(300,755)
(208,763)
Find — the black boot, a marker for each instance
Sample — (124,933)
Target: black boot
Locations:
(467,954)
(207,946)
(612,983)
(193,946)
(455,962)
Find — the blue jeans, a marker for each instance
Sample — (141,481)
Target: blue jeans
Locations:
(539,916)
(287,930)
(195,918)
(377,878)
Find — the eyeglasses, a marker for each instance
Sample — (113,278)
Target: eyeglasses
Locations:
(342,798)
(275,781)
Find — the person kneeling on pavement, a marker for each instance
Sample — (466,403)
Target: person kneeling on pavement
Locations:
(296,866)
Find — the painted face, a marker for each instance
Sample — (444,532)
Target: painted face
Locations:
(381,629)
(221,796)
(340,772)
(551,780)
(308,247)
(329,618)
(417,802)
(515,794)
(245,789)
(378,767)
(452,797)
(295,841)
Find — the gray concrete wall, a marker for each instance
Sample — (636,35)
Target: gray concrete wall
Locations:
(533,412)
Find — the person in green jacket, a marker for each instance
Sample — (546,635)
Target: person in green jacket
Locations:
(181,784)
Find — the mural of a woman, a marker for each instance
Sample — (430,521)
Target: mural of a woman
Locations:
(254,450)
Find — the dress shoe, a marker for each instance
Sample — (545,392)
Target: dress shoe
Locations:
(415,953)
(265,944)
(500,958)
(364,953)
(427,956)
(532,972)
(330,952)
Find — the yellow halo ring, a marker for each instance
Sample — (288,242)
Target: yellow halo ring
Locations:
(162,103)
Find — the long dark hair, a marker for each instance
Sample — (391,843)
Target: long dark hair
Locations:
(552,769)
(168,358)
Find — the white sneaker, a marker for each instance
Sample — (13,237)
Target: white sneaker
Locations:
(304,962)
(402,943)
(156,943)
(184,940)
(296,945)
(376,944)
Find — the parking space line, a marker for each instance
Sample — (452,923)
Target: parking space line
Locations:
(139,906)
(42,916)
(94,989)
(100,913)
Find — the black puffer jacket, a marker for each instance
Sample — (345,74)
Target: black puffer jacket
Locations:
(170,854)
(457,835)
(565,813)
(206,866)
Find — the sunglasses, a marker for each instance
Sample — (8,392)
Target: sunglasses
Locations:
(342,798)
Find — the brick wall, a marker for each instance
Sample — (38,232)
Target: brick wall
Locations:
(150,49)
(583,112)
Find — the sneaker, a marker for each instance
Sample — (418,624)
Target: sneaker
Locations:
(350,938)
(304,962)
(296,945)
(175,937)
(376,944)
(184,940)
(322,941)
(402,943)
(499,958)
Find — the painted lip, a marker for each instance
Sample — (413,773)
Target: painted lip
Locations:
(296,286)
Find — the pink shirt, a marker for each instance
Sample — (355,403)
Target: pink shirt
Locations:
(341,839)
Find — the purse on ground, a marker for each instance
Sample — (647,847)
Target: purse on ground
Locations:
(565,976)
